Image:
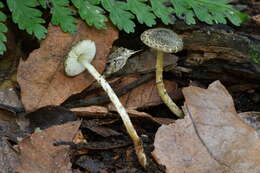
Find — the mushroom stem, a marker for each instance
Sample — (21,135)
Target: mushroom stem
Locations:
(121,110)
(161,89)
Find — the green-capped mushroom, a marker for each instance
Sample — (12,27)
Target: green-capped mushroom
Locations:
(163,41)
(79,59)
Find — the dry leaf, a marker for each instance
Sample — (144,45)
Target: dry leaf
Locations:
(9,98)
(38,154)
(8,157)
(146,94)
(256,19)
(211,137)
(42,77)
(145,62)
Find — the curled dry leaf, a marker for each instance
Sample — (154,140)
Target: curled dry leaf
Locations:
(211,137)
(38,154)
(144,63)
(42,77)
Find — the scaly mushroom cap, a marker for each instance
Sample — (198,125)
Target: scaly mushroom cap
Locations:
(162,39)
(84,50)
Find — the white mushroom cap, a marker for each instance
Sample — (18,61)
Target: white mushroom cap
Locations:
(85,51)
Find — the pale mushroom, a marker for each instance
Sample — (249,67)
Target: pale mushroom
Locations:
(79,59)
(163,40)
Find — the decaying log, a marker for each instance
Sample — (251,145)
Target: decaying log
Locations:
(210,53)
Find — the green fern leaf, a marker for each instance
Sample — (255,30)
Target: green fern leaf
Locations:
(3,30)
(43,3)
(94,2)
(62,16)
(161,11)
(142,11)
(119,15)
(208,11)
(27,17)
(92,14)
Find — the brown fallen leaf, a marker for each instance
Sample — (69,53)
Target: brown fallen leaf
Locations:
(38,154)
(42,77)
(211,137)
(146,94)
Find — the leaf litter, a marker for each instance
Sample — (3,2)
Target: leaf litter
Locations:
(38,154)
(41,77)
(211,137)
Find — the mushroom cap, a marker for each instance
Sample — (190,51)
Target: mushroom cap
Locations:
(85,51)
(162,39)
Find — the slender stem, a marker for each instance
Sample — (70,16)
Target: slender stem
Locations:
(103,99)
(161,89)
(121,110)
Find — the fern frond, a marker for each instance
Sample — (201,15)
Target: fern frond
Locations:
(27,17)
(161,11)
(142,11)
(91,13)
(63,16)
(3,30)
(207,11)
(119,14)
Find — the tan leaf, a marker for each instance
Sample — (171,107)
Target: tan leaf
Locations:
(146,94)
(211,137)
(38,154)
(256,18)
(41,76)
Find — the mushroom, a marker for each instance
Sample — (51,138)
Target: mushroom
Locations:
(79,59)
(163,41)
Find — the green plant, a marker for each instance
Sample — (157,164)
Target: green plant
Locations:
(28,16)
(3,30)
(255,54)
